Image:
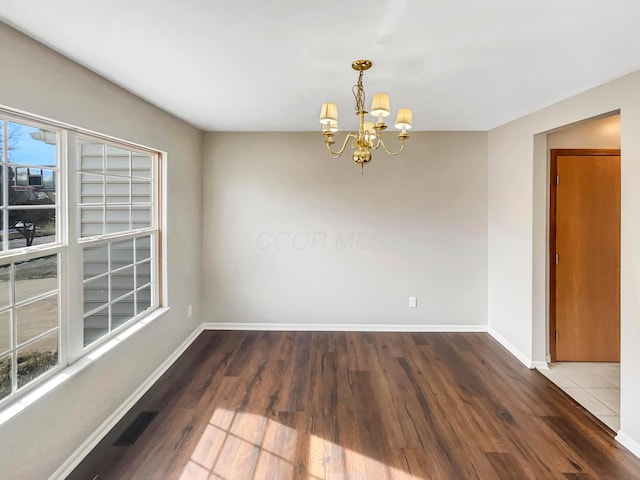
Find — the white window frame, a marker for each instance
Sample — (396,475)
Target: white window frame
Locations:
(69,246)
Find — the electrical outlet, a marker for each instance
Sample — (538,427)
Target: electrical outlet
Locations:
(189,311)
(413,302)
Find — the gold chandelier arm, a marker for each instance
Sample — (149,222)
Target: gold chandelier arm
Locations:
(384,147)
(334,154)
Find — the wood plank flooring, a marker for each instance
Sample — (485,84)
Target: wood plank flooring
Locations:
(342,405)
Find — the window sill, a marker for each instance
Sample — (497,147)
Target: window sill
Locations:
(22,402)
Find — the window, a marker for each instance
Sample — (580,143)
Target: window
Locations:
(116,198)
(78,213)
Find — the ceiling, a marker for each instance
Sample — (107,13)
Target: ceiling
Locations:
(268,65)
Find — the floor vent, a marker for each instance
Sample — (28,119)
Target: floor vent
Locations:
(133,431)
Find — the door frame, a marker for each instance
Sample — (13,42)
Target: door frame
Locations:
(553,172)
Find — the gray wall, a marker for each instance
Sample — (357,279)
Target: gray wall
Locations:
(37,80)
(293,237)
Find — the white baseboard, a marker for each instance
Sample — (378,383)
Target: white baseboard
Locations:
(540,365)
(629,443)
(342,327)
(89,444)
(511,348)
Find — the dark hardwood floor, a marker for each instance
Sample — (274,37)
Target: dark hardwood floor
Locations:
(300,405)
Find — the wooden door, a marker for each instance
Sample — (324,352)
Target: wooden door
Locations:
(585,255)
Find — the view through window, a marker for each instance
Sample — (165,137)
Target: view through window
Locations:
(70,202)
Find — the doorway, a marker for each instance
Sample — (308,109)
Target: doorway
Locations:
(594,385)
(584,246)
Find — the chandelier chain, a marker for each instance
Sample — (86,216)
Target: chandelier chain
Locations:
(358,94)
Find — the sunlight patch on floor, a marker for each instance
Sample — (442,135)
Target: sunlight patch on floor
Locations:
(239,446)
(330,461)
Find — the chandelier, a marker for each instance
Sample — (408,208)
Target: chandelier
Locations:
(369,134)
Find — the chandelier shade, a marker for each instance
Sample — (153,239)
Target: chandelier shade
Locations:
(329,113)
(369,134)
(380,105)
(404,119)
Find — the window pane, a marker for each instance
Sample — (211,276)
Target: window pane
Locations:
(5,331)
(91,188)
(141,165)
(1,141)
(143,274)
(37,358)
(1,225)
(36,318)
(118,190)
(117,219)
(91,156)
(121,254)
(36,277)
(18,177)
(141,191)
(31,145)
(32,227)
(91,221)
(49,184)
(95,261)
(122,311)
(5,286)
(5,376)
(32,186)
(143,248)
(96,325)
(96,293)
(140,217)
(143,299)
(122,282)
(118,161)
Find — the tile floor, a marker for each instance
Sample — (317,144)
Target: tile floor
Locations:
(595,386)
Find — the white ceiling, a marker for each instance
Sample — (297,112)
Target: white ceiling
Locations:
(268,65)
